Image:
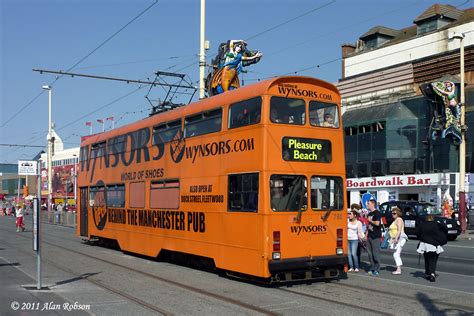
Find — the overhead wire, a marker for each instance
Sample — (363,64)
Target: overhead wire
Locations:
(135,62)
(35,139)
(326,34)
(272,28)
(81,60)
(258,34)
(340,58)
(291,20)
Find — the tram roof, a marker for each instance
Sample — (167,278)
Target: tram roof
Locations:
(242,93)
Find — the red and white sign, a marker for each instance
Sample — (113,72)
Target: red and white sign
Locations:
(395,181)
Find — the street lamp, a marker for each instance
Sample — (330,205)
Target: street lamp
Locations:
(50,149)
(462,146)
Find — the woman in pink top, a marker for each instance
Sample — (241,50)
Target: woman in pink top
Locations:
(354,232)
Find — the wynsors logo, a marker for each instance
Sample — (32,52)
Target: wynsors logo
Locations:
(134,148)
(313,229)
(99,206)
(293,90)
(177,146)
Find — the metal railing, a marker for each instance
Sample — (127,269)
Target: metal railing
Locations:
(59,218)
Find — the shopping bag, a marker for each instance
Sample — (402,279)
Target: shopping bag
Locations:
(385,241)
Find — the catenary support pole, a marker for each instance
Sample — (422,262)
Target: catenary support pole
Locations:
(202,51)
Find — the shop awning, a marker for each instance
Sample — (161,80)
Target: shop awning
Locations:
(384,112)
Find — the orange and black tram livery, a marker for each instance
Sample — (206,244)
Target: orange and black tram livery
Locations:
(253,179)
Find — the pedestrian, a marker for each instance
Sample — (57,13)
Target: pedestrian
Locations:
(374,233)
(432,236)
(328,120)
(19,212)
(354,233)
(398,238)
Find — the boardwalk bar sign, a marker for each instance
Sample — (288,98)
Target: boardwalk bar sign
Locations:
(396,181)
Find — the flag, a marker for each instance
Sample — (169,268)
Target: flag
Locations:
(110,118)
(100,121)
(88,123)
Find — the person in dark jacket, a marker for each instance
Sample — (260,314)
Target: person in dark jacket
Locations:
(432,236)
(374,233)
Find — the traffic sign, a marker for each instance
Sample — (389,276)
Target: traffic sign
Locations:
(26,168)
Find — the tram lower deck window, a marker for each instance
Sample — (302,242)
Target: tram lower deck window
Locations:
(97,196)
(137,194)
(165,194)
(288,192)
(326,193)
(243,192)
(116,195)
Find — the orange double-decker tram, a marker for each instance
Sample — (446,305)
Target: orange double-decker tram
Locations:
(252,179)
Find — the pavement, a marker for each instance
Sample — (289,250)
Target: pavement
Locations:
(468,235)
(19,294)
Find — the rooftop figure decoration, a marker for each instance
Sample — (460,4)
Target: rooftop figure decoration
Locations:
(446,122)
(228,64)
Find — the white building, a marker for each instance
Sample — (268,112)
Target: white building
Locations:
(64,165)
(389,148)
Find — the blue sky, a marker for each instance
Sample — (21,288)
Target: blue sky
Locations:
(57,34)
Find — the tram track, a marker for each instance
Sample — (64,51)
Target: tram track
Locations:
(355,306)
(99,284)
(226,299)
(363,291)
(190,288)
(398,294)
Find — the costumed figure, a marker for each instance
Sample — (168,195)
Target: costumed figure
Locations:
(232,56)
(447,205)
(450,122)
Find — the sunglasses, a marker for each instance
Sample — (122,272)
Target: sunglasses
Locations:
(394,213)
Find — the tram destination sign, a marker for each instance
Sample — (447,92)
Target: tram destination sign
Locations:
(306,149)
(27,168)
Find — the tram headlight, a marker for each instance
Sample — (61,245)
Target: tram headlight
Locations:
(276,255)
(339,251)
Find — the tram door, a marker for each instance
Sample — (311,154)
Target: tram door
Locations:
(84,192)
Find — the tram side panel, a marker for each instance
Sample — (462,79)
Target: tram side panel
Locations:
(202,224)
(233,227)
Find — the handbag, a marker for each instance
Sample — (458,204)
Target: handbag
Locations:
(363,243)
(385,242)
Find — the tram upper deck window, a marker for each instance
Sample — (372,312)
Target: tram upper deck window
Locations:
(203,123)
(323,114)
(326,193)
(243,192)
(288,192)
(166,131)
(98,150)
(245,113)
(287,111)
